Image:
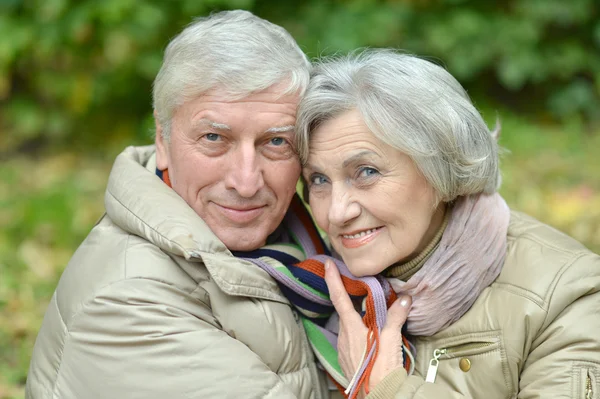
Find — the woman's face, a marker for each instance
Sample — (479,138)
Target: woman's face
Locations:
(369,197)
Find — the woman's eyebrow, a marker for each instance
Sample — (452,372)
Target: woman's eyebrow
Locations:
(357,157)
(308,167)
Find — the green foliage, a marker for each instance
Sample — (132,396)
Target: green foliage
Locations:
(47,207)
(80,72)
(542,55)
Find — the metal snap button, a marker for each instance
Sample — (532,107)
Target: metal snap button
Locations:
(464,364)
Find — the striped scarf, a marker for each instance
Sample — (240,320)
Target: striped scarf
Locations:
(297,264)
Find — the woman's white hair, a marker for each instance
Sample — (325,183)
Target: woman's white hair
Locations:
(412,105)
(235,51)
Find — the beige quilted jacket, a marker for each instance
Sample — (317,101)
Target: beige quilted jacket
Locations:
(152,305)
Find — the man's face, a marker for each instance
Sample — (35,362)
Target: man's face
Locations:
(234,163)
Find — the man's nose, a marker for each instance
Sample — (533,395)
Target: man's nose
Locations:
(246,172)
(343,208)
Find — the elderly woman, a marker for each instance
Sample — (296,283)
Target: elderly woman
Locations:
(401,173)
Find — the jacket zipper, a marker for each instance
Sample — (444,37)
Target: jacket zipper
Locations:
(438,353)
(589,394)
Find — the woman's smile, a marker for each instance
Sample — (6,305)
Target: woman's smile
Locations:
(359,238)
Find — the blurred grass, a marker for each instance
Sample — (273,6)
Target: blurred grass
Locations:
(47,207)
(49,204)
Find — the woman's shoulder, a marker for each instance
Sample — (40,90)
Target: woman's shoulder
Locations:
(526,230)
(540,260)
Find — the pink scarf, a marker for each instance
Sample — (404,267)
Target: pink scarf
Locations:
(468,259)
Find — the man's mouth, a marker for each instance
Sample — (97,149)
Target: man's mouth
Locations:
(241,215)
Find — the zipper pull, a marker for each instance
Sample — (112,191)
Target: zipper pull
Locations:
(433,365)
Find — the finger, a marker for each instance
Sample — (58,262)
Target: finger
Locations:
(398,313)
(338,295)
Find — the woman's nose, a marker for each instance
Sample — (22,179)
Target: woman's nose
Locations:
(343,208)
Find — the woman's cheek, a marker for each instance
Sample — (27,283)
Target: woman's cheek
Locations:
(320,211)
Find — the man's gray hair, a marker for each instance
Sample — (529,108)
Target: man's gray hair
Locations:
(412,105)
(235,51)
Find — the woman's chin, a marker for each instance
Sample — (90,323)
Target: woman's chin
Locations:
(360,268)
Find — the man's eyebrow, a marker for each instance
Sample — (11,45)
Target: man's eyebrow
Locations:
(280,129)
(214,125)
(357,157)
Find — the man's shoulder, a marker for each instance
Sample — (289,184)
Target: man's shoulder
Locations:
(111,257)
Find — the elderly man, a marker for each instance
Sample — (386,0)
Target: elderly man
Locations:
(154,303)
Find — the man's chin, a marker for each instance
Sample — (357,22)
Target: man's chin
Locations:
(249,240)
(245,248)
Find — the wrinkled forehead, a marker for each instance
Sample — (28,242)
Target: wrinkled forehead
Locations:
(344,140)
(235,92)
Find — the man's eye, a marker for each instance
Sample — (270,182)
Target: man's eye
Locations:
(212,136)
(367,172)
(277,141)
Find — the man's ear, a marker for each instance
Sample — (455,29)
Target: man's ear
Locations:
(162,146)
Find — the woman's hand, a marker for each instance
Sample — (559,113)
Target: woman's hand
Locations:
(352,337)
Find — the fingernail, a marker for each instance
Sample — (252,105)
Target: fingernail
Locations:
(327,263)
(404,302)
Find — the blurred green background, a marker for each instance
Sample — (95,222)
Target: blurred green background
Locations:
(75,87)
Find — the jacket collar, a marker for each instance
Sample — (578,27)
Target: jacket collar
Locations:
(140,203)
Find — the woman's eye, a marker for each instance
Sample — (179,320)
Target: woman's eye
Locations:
(212,136)
(277,141)
(317,180)
(367,172)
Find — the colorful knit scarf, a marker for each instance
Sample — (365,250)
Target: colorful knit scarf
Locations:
(469,257)
(298,267)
